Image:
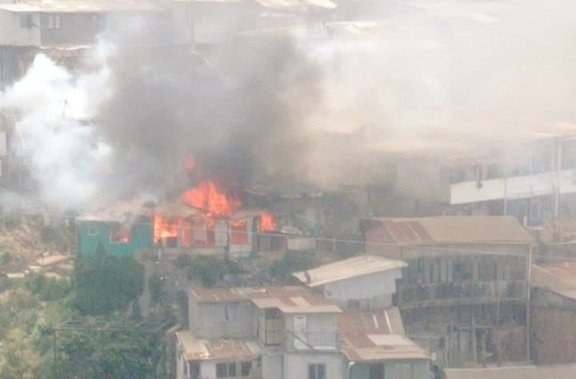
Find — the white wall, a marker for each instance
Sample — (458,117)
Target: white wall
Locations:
(180,362)
(11,34)
(296,365)
(373,290)
(223,320)
(272,366)
(317,330)
(518,187)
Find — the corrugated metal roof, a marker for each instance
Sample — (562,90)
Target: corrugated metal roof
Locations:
(286,299)
(559,278)
(347,269)
(376,335)
(195,349)
(446,229)
(67,6)
(290,5)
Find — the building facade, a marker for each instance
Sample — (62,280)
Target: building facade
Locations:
(292,333)
(464,292)
(365,281)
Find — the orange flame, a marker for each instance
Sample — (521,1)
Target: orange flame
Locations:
(267,222)
(209,197)
(165,227)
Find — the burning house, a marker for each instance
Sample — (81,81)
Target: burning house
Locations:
(120,234)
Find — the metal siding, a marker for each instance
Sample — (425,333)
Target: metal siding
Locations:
(140,239)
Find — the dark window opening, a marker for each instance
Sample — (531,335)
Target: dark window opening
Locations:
(317,371)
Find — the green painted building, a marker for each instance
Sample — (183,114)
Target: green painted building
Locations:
(114,238)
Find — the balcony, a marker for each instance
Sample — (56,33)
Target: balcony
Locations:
(516,187)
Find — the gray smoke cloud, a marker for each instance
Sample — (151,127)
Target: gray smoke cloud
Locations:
(303,105)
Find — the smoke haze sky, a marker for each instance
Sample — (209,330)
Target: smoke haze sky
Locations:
(295,106)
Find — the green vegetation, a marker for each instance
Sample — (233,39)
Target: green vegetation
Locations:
(292,262)
(95,354)
(106,284)
(206,269)
(157,286)
(48,289)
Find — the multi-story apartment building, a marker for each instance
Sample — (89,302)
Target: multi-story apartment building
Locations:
(464,292)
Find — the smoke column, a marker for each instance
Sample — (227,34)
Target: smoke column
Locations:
(300,108)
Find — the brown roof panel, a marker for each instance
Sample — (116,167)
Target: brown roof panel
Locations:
(374,335)
(196,349)
(451,229)
(559,278)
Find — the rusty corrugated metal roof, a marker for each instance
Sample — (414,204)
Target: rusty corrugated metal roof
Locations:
(376,335)
(559,278)
(447,229)
(196,349)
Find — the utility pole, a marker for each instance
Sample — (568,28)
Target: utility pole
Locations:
(528,297)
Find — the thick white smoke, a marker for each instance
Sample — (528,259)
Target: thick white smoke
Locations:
(54,131)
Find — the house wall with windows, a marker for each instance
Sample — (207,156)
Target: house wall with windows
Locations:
(69,28)
(114,238)
(223,320)
(397,369)
(305,332)
(313,365)
(464,293)
(368,291)
(19,29)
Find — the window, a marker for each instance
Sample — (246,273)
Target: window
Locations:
(194,370)
(245,368)
(119,234)
(272,313)
(317,371)
(53,21)
(226,370)
(92,230)
(26,21)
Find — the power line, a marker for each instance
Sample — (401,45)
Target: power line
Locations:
(229,230)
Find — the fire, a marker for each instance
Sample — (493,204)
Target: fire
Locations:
(209,197)
(165,227)
(267,222)
(205,227)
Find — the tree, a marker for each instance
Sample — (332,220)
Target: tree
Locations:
(96,354)
(209,270)
(291,262)
(18,359)
(105,284)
